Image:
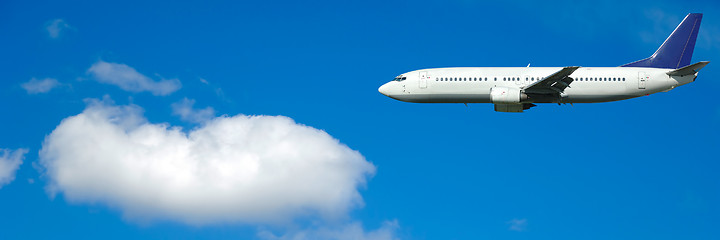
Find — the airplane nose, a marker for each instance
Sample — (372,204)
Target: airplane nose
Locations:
(384,89)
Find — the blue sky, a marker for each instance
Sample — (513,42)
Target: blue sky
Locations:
(111,75)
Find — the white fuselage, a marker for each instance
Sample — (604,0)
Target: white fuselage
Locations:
(473,84)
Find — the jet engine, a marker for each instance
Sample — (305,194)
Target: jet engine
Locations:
(506,95)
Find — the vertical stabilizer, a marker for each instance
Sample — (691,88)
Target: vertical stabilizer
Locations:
(677,50)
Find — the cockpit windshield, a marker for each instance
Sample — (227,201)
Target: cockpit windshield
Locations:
(399,78)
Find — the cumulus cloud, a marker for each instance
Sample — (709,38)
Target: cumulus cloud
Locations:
(35,86)
(55,27)
(128,79)
(355,231)
(184,109)
(518,225)
(10,161)
(250,169)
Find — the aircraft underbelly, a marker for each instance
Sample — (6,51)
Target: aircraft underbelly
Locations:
(595,98)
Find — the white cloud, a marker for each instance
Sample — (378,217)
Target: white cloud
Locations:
(184,109)
(9,163)
(218,91)
(518,225)
(35,86)
(663,25)
(708,36)
(128,79)
(55,27)
(250,169)
(355,231)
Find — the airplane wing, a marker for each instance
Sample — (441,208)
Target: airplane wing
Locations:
(553,84)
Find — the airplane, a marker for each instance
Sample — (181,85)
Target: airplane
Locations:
(515,89)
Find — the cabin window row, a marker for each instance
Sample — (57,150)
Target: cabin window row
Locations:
(465,79)
(459,79)
(600,79)
(512,79)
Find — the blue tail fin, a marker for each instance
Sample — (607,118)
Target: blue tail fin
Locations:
(677,50)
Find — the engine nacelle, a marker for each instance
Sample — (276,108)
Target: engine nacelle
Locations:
(506,95)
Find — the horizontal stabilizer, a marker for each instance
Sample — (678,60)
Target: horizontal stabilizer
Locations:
(688,70)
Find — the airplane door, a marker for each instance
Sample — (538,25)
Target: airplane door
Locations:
(642,80)
(423,80)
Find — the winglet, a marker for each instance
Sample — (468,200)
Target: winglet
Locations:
(677,50)
(688,70)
